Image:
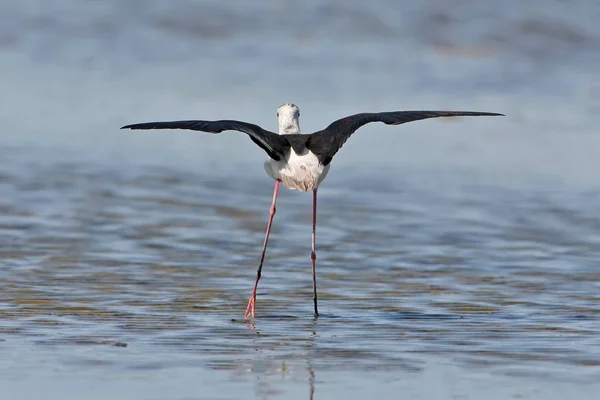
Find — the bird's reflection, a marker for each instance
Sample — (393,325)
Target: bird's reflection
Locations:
(274,375)
(311,380)
(266,387)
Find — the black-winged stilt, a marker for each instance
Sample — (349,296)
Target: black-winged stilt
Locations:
(299,160)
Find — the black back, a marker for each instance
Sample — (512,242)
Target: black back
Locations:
(324,144)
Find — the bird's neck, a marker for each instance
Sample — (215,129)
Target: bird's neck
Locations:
(289,126)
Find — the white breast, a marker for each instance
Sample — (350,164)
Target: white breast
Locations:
(301,172)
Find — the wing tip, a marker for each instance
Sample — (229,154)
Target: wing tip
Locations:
(476,114)
(132,126)
(480,114)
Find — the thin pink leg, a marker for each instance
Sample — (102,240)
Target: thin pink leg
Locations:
(250,309)
(313,254)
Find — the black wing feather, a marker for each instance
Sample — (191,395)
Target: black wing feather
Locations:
(274,144)
(326,143)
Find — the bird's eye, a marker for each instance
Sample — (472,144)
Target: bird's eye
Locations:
(278,114)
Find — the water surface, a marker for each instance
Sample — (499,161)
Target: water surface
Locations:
(456,258)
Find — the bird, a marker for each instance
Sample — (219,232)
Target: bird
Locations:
(300,161)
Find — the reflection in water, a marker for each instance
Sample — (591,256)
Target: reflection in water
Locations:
(311,380)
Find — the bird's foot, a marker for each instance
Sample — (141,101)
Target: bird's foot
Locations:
(250,309)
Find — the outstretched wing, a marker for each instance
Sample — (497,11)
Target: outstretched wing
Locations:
(327,142)
(274,144)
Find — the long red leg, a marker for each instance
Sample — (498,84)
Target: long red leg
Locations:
(313,254)
(250,309)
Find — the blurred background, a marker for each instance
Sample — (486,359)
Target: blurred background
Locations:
(456,257)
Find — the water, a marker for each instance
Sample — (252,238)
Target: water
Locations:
(456,259)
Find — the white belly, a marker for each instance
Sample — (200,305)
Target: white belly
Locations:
(300,172)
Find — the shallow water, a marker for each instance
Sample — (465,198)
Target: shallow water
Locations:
(456,259)
(143,273)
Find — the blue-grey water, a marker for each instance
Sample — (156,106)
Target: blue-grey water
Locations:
(457,259)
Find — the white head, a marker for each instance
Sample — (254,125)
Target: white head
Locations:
(288,115)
